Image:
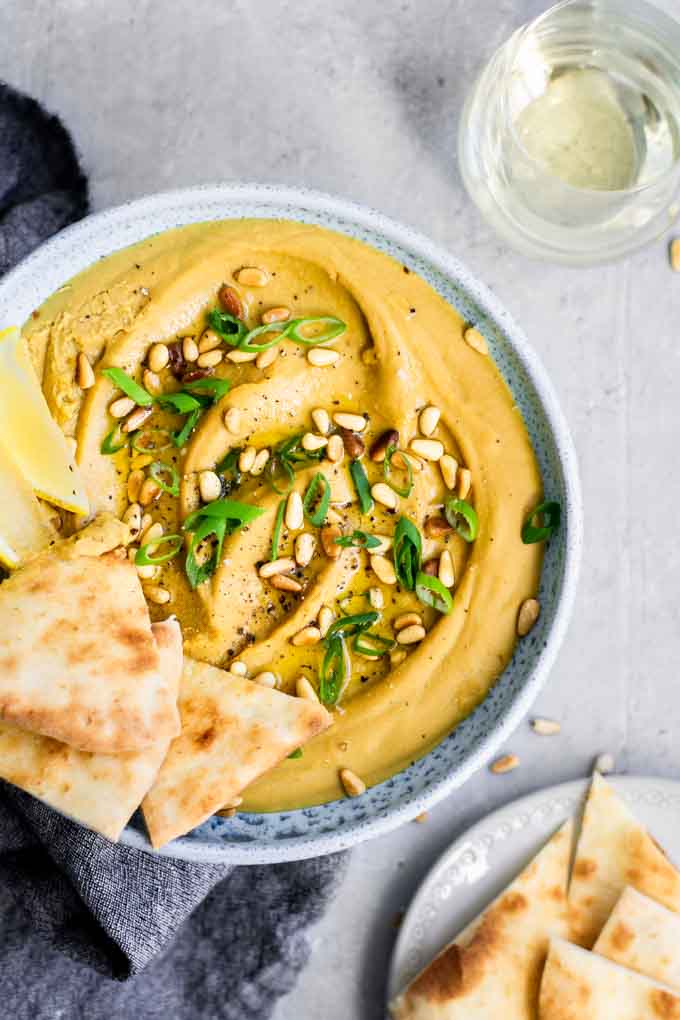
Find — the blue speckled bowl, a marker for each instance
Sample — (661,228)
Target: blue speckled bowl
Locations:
(260,838)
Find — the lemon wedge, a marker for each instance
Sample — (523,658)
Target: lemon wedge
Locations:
(29,434)
(23,530)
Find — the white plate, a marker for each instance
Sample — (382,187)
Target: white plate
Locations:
(489,855)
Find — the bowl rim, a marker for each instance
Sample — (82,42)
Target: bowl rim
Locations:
(92,229)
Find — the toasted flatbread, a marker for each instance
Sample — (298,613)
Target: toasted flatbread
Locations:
(614,851)
(578,985)
(233,730)
(644,936)
(100,791)
(78,660)
(493,968)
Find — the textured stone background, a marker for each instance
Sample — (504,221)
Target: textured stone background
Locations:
(362,98)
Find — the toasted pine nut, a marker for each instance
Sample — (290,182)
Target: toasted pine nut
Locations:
(141,460)
(545,727)
(267,358)
(84,372)
(604,763)
(266,679)
(304,548)
(446,573)
(428,449)
(322,358)
(376,598)
(260,462)
(353,443)
(352,785)
(304,689)
(306,636)
(386,543)
(311,443)
(133,518)
(151,382)
(145,573)
(189,349)
(529,612)
(353,422)
(380,447)
(400,460)
(475,340)
(333,517)
(421,818)
(210,486)
(411,635)
(295,517)
(247,459)
(241,357)
(431,567)
(147,521)
(137,419)
(329,533)
(278,314)
(407,620)
(383,494)
(397,657)
(209,360)
(429,419)
(335,450)
(284,565)
(448,466)
(149,492)
(383,569)
(506,763)
(158,357)
(210,341)
(282,582)
(464,482)
(238,668)
(322,420)
(151,532)
(251,276)
(134,486)
(437,526)
(232,420)
(324,619)
(230,299)
(233,804)
(157,594)
(121,407)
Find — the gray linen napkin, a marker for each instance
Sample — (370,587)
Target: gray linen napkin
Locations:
(88,928)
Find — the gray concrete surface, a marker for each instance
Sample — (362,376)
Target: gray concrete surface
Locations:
(362,98)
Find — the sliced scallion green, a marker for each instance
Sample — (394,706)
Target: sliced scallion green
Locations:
(180,437)
(550,514)
(114,441)
(144,558)
(463,518)
(348,626)
(317,499)
(128,385)
(231,510)
(275,328)
(145,441)
(363,489)
(373,646)
(432,592)
(334,671)
(278,524)
(158,469)
(207,527)
(228,327)
(182,403)
(358,540)
(408,550)
(328,328)
(388,469)
(212,387)
(297,753)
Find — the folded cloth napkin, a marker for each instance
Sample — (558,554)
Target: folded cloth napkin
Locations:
(89,928)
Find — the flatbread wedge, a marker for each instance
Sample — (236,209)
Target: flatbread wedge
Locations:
(78,661)
(100,791)
(493,968)
(644,936)
(233,730)
(614,850)
(579,985)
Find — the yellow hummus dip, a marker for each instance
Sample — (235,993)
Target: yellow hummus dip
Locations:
(403,350)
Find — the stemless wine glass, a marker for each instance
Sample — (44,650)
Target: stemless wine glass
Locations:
(570,140)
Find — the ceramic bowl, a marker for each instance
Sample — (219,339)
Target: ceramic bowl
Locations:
(291,835)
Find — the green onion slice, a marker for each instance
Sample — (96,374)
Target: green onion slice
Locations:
(463,518)
(182,403)
(212,387)
(334,672)
(550,514)
(317,496)
(363,489)
(228,327)
(297,753)
(358,540)
(114,441)
(277,470)
(158,469)
(374,646)
(433,593)
(276,328)
(128,385)
(236,514)
(145,559)
(278,524)
(180,438)
(401,490)
(324,329)
(408,551)
(145,441)
(349,626)
(207,527)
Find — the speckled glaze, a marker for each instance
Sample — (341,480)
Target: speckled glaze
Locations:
(292,835)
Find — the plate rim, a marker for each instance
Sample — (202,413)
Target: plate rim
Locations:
(418,244)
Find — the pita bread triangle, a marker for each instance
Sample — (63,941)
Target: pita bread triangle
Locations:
(614,850)
(100,791)
(644,936)
(578,985)
(233,730)
(493,968)
(78,660)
